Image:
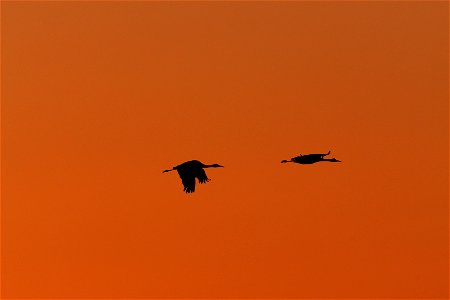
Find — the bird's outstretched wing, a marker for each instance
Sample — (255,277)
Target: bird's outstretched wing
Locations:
(188,180)
(201,175)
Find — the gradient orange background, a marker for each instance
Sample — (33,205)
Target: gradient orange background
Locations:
(98,98)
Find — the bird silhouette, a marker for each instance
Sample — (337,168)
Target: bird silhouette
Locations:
(190,170)
(310,159)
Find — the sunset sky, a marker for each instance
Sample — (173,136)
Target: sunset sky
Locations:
(99,97)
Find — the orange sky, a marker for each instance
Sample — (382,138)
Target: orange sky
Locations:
(98,98)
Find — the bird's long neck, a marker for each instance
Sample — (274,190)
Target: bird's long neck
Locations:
(209,166)
(285,161)
(212,166)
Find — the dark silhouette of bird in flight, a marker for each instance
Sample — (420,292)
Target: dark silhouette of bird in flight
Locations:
(190,170)
(310,159)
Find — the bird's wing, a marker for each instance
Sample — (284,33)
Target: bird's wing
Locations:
(188,181)
(201,175)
